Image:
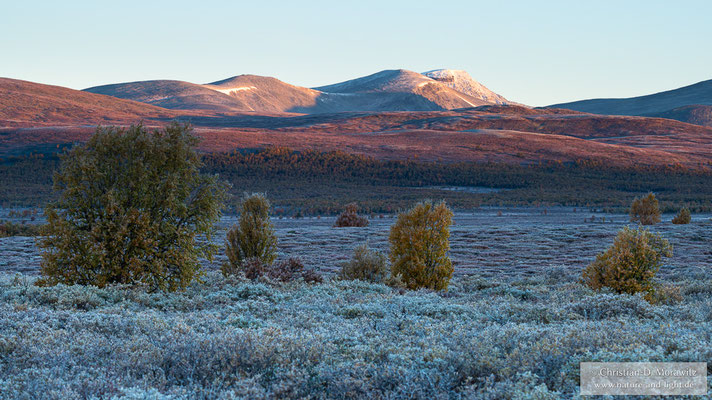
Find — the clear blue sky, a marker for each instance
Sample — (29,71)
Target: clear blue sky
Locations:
(534,52)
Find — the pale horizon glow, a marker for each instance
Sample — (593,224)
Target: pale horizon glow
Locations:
(536,53)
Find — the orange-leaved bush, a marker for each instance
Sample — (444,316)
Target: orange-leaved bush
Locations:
(420,245)
(645,210)
(350,218)
(683,217)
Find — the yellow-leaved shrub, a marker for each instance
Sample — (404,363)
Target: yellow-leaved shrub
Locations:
(683,217)
(645,210)
(630,265)
(420,245)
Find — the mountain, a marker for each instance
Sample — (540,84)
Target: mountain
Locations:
(398,90)
(463,83)
(399,115)
(661,104)
(266,94)
(390,90)
(25,103)
(170,94)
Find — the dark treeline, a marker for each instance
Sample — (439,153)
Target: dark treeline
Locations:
(312,182)
(325,181)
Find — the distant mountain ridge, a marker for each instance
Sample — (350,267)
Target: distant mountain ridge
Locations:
(388,90)
(36,118)
(687,104)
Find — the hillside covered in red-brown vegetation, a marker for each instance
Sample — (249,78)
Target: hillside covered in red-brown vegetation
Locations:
(40,118)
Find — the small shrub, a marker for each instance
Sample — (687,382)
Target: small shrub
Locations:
(252,237)
(283,271)
(667,294)
(287,270)
(132,205)
(630,265)
(645,210)
(253,268)
(365,265)
(420,244)
(350,218)
(311,276)
(683,217)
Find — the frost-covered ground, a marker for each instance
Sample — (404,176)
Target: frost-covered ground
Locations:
(514,325)
(520,241)
(486,338)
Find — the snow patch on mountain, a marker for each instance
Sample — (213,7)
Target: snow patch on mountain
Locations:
(462,82)
(234,89)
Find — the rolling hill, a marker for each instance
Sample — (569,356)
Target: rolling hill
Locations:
(170,94)
(24,103)
(688,104)
(266,94)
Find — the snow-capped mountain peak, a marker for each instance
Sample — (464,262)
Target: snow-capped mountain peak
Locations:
(464,83)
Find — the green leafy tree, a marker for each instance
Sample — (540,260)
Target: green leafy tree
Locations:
(132,204)
(253,237)
(645,210)
(630,265)
(419,246)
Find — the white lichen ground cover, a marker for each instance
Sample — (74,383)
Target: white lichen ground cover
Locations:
(507,338)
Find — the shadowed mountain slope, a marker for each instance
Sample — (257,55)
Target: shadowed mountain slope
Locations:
(668,104)
(695,114)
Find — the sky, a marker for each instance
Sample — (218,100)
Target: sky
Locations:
(533,52)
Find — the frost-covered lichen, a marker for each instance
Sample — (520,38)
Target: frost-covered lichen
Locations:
(507,338)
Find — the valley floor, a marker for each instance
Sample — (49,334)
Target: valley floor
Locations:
(520,241)
(514,324)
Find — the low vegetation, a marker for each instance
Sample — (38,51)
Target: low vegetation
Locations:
(486,338)
(645,210)
(131,206)
(9,228)
(366,265)
(420,244)
(630,264)
(283,271)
